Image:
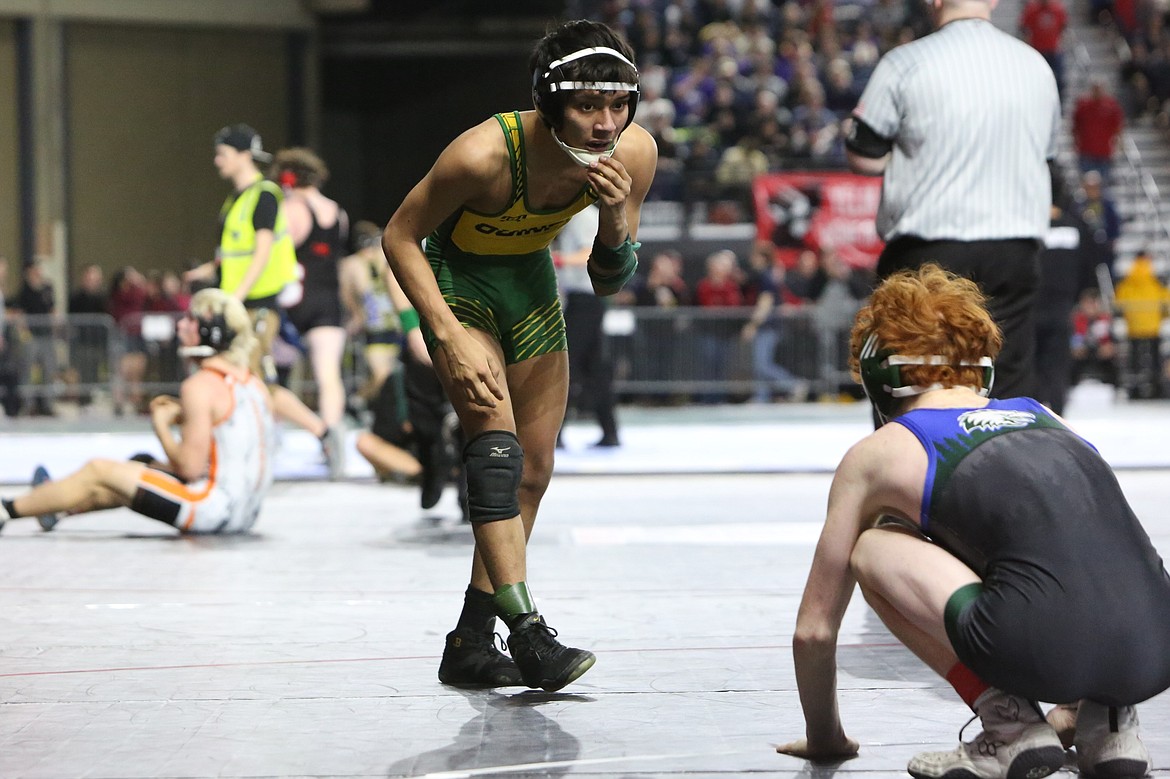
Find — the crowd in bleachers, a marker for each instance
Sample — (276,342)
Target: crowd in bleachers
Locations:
(729,89)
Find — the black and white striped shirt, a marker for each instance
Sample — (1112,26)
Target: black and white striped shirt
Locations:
(974,116)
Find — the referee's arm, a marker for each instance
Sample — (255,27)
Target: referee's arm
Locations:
(866,152)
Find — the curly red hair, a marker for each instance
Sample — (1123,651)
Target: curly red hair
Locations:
(924,312)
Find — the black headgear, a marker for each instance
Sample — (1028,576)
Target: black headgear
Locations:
(214,332)
(215,336)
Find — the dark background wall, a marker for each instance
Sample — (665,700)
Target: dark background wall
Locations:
(384,120)
(143,106)
(10,208)
(143,85)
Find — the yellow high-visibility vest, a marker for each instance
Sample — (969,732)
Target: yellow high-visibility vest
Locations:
(238,244)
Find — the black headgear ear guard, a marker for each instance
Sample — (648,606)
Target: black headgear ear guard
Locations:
(881,375)
(214,332)
(549,86)
(215,336)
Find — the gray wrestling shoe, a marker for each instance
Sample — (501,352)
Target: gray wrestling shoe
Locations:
(1016,743)
(46,521)
(1107,742)
(333,447)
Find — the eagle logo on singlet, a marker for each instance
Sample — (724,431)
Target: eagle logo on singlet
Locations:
(992,419)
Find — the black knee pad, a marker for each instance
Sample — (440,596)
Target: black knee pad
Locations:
(493,462)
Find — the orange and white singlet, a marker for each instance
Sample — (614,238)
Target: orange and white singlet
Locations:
(228,498)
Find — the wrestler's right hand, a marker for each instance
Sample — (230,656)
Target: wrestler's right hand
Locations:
(474,371)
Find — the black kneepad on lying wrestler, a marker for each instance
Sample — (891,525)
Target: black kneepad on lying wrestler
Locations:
(493,462)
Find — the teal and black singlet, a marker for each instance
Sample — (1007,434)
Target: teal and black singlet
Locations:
(1075,601)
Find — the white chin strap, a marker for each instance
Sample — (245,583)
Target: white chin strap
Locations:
(584,157)
(196,351)
(934,359)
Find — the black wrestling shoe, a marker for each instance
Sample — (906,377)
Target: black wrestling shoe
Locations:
(545,662)
(46,521)
(473,662)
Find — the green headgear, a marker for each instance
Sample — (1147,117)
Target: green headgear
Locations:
(881,375)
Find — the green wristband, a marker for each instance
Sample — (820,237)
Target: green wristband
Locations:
(610,268)
(409,320)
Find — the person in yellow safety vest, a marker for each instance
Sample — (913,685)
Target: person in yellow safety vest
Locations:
(1144,302)
(257,263)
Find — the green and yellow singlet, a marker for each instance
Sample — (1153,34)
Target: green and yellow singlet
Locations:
(496,271)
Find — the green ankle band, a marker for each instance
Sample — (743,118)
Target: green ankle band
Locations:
(513,599)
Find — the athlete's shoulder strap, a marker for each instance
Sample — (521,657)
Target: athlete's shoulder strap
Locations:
(514,135)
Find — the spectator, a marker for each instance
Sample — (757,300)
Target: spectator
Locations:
(1042,23)
(738,168)
(1096,124)
(719,289)
(1094,350)
(590,366)
(1152,85)
(1100,214)
(165,302)
(372,313)
(38,306)
(815,129)
(837,295)
(1066,269)
(772,304)
(701,163)
(664,285)
(658,336)
(10,357)
(841,90)
(805,278)
(1144,302)
(127,306)
(658,119)
(89,348)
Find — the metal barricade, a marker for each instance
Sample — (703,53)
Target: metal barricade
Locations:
(695,354)
(47,358)
(659,355)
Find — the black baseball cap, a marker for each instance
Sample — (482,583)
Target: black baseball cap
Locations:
(243,138)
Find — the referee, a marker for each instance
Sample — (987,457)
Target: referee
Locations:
(962,125)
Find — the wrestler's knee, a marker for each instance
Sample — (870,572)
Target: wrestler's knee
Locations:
(538,469)
(867,550)
(493,462)
(99,470)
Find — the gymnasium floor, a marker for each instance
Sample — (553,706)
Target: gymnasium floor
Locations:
(309,649)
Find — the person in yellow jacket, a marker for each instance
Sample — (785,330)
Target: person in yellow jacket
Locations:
(256,262)
(1144,301)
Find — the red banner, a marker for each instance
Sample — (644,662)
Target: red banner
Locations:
(815,209)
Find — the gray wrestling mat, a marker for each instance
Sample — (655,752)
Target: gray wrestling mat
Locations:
(780,438)
(309,649)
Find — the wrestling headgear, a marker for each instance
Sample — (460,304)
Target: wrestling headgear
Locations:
(550,84)
(215,336)
(881,375)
